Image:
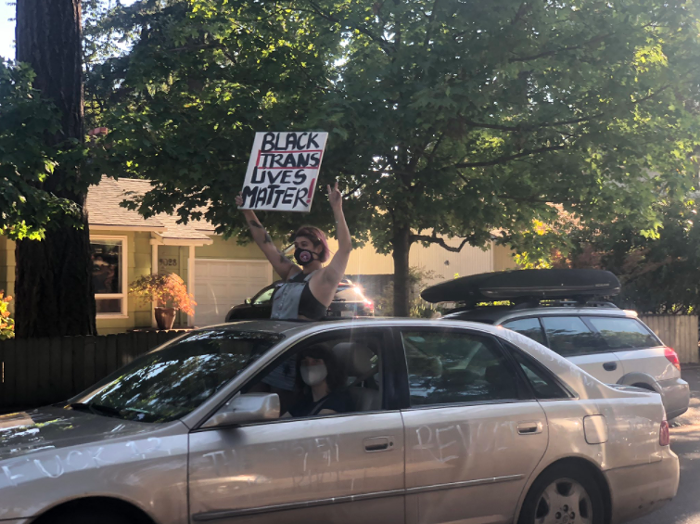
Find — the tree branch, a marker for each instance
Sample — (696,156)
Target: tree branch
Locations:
(434,239)
(522,11)
(564,49)
(434,150)
(528,127)
(508,158)
(650,96)
(386,47)
(428,32)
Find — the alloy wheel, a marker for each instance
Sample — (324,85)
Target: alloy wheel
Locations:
(564,501)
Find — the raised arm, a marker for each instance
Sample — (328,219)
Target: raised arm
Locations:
(335,270)
(283,266)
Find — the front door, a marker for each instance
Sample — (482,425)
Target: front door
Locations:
(473,435)
(341,463)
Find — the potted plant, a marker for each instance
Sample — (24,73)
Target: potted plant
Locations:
(168,293)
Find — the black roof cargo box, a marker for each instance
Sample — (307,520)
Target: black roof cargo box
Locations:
(541,284)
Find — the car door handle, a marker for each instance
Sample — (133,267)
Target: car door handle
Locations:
(375,444)
(610,366)
(529,428)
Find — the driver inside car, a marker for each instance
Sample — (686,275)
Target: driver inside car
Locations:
(323,384)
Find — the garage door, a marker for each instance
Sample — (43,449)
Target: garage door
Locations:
(221,284)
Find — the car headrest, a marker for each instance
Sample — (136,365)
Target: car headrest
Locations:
(355,358)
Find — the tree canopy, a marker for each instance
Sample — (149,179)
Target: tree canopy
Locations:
(183,104)
(452,118)
(27,161)
(659,273)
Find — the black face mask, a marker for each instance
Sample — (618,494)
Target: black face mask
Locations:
(304,256)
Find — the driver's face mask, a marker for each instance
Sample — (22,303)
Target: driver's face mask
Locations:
(313,374)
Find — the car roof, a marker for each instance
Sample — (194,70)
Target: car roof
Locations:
(294,327)
(500,314)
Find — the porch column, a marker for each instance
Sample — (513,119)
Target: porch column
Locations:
(190,281)
(154,271)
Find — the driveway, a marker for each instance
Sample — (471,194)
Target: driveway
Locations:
(685,441)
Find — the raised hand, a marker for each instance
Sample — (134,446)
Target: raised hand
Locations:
(334,196)
(239,199)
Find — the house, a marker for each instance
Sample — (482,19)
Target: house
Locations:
(219,272)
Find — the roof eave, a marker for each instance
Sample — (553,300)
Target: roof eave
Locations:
(196,242)
(122,227)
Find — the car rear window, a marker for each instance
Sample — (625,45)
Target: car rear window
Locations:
(624,333)
(569,336)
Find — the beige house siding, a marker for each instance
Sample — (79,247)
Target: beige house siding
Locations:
(138,263)
(503,258)
(171,259)
(174,259)
(442,263)
(229,250)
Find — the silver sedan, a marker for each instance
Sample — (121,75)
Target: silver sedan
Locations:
(372,421)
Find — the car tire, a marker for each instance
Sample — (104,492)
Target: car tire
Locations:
(564,488)
(92,517)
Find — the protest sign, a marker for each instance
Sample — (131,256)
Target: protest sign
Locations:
(283,171)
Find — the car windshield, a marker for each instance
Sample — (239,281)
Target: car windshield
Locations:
(170,382)
(264,296)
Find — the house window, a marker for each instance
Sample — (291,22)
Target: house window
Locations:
(109,275)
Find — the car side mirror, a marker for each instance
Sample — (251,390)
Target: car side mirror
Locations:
(250,407)
(247,301)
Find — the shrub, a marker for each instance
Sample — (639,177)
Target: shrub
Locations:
(164,291)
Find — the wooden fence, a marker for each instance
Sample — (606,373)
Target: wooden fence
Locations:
(36,372)
(677,331)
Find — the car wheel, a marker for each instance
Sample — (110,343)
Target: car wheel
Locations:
(91,517)
(563,494)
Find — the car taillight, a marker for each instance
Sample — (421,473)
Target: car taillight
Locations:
(664,434)
(369,304)
(672,358)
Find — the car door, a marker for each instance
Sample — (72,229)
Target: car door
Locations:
(572,338)
(342,467)
(474,434)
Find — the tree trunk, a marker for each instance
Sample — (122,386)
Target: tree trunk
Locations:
(401,247)
(54,292)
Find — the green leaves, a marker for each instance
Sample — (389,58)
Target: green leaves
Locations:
(26,162)
(455,117)
(204,75)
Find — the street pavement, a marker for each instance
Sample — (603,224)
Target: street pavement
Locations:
(685,441)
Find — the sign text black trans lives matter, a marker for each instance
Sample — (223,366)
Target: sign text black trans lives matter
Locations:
(283,171)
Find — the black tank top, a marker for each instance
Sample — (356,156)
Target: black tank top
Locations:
(309,306)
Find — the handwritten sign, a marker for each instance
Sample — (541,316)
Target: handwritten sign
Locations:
(283,171)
